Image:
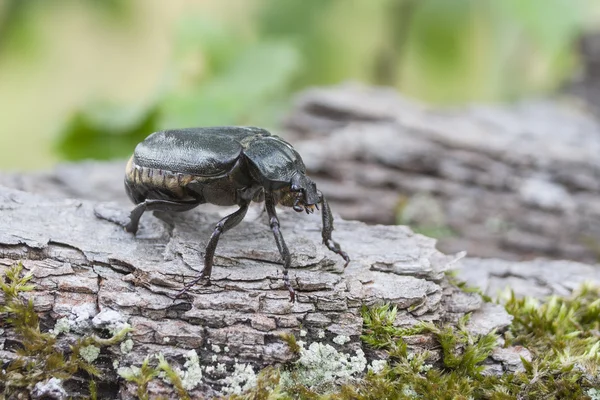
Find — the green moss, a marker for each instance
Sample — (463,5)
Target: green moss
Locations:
(172,376)
(452,276)
(562,335)
(93,390)
(141,376)
(290,339)
(38,357)
(267,387)
(146,373)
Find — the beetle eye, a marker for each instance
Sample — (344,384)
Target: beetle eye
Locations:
(295,188)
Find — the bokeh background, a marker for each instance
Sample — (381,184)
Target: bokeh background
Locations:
(90,78)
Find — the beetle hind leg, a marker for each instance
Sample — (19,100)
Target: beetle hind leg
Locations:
(328,229)
(155,205)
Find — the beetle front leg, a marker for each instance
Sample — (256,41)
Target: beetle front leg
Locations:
(283,249)
(328,228)
(222,226)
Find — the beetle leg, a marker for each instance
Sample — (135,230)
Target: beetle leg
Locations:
(283,249)
(328,228)
(222,226)
(155,205)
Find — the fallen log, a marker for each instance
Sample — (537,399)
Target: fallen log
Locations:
(88,270)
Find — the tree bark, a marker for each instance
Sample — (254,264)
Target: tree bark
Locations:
(513,182)
(83,264)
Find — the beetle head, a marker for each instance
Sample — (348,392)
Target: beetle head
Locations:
(304,192)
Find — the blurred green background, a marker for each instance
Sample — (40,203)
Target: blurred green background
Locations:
(91,78)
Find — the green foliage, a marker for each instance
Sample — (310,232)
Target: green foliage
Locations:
(39,359)
(219,76)
(237,71)
(246,89)
(19,19)
(106,132)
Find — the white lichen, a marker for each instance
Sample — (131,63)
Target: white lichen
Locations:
(126,346)
(377,366)
(409,392)
(119,328)
(81,317)
(221,368)
(321,334)
(216,348)
(594,393)
(115,364)
(341,339)
(427,367)
(128,372)
(89,353)
(214,358)
(321,364)
(191,376)
(109,319)
(166,339)
(302,333)
(226,349)
(63,325)
(241,379)
(50,389)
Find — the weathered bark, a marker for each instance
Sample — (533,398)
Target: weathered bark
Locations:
(513,182)
(83,264)
(538,278)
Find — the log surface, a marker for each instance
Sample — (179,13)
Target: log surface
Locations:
(512,182)
(84,264)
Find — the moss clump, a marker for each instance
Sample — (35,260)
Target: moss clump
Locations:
(38,357)
(452,276)
(182,381)
(561,333)
(290,339)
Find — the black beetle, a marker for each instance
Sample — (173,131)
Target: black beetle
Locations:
(177,170)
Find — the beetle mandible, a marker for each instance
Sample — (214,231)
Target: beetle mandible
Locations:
(179,169)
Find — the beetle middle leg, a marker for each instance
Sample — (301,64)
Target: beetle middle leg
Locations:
(155,205)
(222,226)
(283,249)
(328,228)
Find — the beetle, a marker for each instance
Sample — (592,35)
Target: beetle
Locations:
(179,169)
